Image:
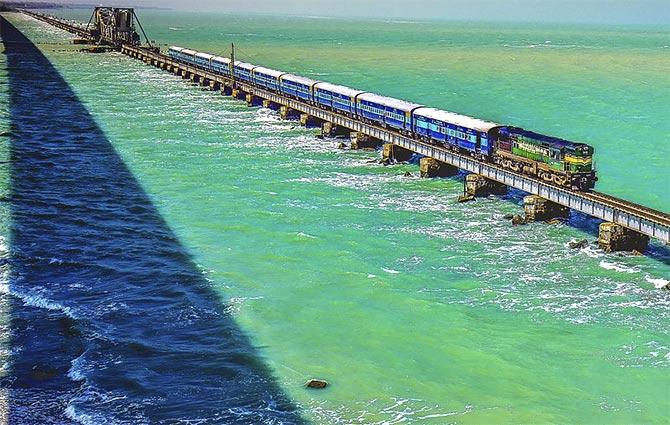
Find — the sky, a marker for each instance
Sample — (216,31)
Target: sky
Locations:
(654,12)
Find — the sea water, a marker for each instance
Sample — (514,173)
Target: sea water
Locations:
(415,308)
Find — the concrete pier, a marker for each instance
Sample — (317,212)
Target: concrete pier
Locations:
(478,186)
(328,129)
(614,237)
(395,153)
(287,113)
(307,120)
(363,141)
(431,167)
(541,209)
(251,100)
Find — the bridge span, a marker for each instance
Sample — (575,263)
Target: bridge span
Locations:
(626,226)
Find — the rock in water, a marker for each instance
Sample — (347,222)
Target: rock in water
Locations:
(407,174)
(508,216)
(517,220)
(316,383)
(466,198)
(579,244)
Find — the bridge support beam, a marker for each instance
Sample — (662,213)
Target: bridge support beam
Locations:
(363,141)
(539,209)
(328,129)
(431,167)
(614,237)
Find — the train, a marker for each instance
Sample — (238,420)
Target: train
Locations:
(553,160)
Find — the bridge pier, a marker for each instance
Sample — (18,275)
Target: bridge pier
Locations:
(363,141)
(307,120)
(238,94)
(328,129)
(395,153)
(538,208)
(615,237)
(431,167)
(287,113)
(252,100)
(479,186)
(226,90)
(270,105)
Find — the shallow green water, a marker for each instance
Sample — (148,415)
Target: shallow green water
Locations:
(414,307)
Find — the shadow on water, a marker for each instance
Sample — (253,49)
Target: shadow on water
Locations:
(112,320)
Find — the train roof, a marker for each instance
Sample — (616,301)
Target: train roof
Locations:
(177,49)
(556,141)
(298,79)
(456,119)
(204,55)
(189,52)
(343,90)
(403,105)
(268,71)
(245,65)
(221,59)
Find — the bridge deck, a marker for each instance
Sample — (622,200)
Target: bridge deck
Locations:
(647,221)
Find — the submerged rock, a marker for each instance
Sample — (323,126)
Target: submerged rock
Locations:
(466,198)
(316,383)
(508,216)
(341,146)
(518,220)
(407,174)
(578,244)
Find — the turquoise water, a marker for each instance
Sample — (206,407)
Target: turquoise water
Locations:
(415,308)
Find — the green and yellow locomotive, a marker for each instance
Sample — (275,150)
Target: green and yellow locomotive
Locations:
(553,160)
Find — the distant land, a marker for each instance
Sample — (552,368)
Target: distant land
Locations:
(7,5)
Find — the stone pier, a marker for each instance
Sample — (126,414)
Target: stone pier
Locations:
(287,113)
(479,186)
(614,237)
(307,120)
(328,129)
(538,208)
(251,100)
(395,153)
(431,167)
(363,141)
(270,104)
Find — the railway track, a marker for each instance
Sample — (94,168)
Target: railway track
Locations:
(630,207)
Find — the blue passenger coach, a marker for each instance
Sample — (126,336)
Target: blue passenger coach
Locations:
(392,112)
(338,98)
(458,131)
(266,77)
(175,52)
(221,65)
(243,71)
(301,88)
(203,60)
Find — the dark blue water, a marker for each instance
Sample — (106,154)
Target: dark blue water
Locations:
(111,320)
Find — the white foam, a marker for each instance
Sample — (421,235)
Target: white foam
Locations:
(391,271)
(618,267)
(659,283)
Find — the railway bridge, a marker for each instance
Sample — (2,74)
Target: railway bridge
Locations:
(626,225)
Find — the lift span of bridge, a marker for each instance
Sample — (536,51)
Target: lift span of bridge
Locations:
(626,225)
